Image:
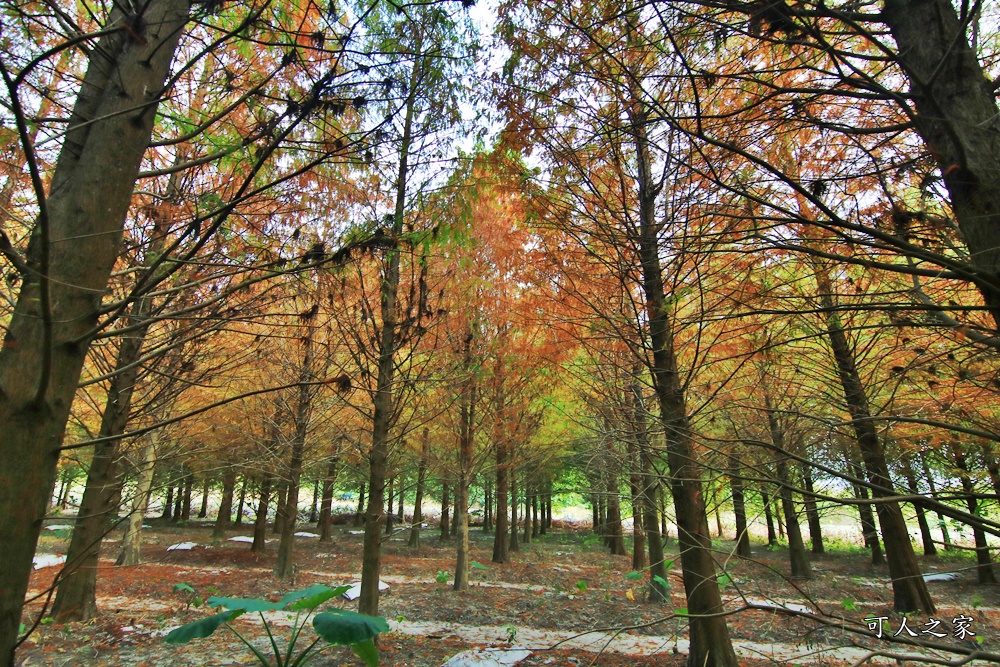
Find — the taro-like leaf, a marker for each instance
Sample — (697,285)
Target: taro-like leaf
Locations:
(477,565)
(315,596)
(200,628)
(246,604)
(183,587)
(633,575)
(661,581)
(367,652)
(343,627)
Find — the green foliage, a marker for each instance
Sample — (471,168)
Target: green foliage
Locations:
(661,581)
(848,604)
(581,586)
(442,577)
(477,565)
(337,627)
(634,575)
(976,601)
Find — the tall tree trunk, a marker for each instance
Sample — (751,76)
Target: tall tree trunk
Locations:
(908,586)
(389,516)
(657,591)
(279,513)
(326,504)
(925,529)
(314,508)
(50,330)
(487,506)
(285,565)
(418,500)
(515,542)
(467,418)
(865,514)
(168,503)
(710,645)
(259,544)
(359,515)
(992,466)
(224,518)
(984,564)
(132,540)
(383,404)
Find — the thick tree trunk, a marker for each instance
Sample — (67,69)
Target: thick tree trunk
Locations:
(324,524)
(132,540)
(259,544)
(908,586)
(225,516)
(957,115)
(50,330)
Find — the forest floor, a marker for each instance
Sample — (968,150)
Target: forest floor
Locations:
(563,597)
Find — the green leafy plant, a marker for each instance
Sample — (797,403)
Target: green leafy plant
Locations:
(338,627)
(633,575)
(848,604)
(478,566)
(976,601)
(511,633)
(581,585)
(442,577)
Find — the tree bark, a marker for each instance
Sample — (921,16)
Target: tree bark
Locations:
(132,540)
(259,544)
(925,529)
(616,534)
(515,542)
(812,512)
(984,564)
(225,516)
(324,523)
(203,510)
(710,644)
(418,500)
(445,525)
(908,586)
(241,505)
(467,418)
(945,537)
(739,509)
(957,115)
(772,537)
(635,489)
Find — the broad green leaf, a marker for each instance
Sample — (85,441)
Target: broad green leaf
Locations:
(661,581)
(848,604)
(318,595)
(367,652)
(479,566)
(633,576)
(342,627)
(681,611)
(200,628)
(183,587)
(582,585)
(245,604)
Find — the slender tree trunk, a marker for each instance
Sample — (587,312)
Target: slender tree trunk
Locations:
(527,512)
(243,501)
(772,537)
(616,534)
(799,559)
(812,512)
(487,506)
(360,513)
(260,521)
(984,564)
(501,544)
(515,542)
(925,529)
(445,525)
(389,514)
(50,330)
(739,509)
(324,523)
(132,540)
(224,518)
(178,502)
(467,419)
(657,591)
(945,537)
(168,504)
(418,500)
(279,513)
(188,489)
(908,586)
(635,489)
(992,467)
(534,516)
(203,510)
(383,404)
